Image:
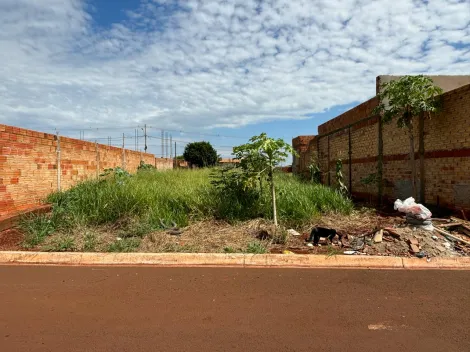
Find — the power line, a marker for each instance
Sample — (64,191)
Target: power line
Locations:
(199,133)
(153,127)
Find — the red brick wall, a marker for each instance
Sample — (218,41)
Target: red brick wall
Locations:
(355,114)
(301,145)
(447,152)
(28,165)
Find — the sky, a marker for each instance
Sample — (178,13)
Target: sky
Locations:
(220,71)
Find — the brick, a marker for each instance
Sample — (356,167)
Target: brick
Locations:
(447,154)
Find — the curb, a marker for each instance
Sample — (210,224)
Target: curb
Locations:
(231,260)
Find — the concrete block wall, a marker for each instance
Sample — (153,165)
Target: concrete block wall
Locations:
(29,165)
(446,143)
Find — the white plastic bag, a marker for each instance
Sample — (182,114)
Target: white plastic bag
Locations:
(413,209)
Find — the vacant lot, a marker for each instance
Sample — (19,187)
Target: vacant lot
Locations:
(177,211)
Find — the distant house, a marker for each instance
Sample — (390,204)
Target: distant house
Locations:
(228,161)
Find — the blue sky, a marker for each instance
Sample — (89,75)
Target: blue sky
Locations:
(233,68)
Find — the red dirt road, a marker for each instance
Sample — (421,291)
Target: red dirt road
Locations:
(229,309)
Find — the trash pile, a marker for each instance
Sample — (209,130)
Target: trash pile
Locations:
(415,234)
(416,214)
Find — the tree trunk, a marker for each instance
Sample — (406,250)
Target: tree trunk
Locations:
(273,194)
(412,159)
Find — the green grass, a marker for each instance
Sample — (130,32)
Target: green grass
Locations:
(256,248)
(124,245)
(36,228)
(61,244)
(133,206)
(90,242)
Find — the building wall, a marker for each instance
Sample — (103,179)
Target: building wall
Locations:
(303,146)
(29,165)
(447,152)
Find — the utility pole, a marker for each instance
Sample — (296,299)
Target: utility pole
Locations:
(171,146)
(145,138)
(175,150)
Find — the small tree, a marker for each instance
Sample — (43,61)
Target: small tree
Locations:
(201,154)
(259,158)
(405,99)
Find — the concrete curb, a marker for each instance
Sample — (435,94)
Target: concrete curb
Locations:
(232,260)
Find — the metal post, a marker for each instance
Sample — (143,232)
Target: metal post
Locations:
(97,160)
(145,138)
(59,173)
(123,153)
(166,144)
(163,143)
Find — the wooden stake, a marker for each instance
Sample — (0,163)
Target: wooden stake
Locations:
(445,233)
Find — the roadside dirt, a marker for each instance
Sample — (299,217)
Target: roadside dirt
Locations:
(10,240)
(258,236)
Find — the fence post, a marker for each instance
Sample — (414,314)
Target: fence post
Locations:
(350,162)
(59,173)
(123,154)
(422,171)
(328,162)
(380,162)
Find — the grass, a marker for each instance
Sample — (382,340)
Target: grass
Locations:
(90,242)
(124,245)
(63,243)
(256,248)
(131,208)
(36,228)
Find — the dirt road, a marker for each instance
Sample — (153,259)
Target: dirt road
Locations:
(228,309)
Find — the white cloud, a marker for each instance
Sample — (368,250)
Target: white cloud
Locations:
(202,64)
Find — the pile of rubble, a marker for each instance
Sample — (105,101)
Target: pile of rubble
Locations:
(403,236)
(450,238)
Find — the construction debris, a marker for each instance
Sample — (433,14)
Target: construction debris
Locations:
(292,232)
(392,235)
(452,236)
(378,236)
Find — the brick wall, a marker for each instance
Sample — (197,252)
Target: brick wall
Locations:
(447,152)
(302,145)
(29,168)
